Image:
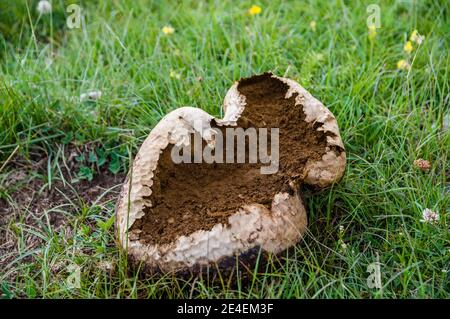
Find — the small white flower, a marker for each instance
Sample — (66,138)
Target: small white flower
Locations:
(48,62)
(44,7)
(343,246)
(106,266)
(429,216)
(91,95)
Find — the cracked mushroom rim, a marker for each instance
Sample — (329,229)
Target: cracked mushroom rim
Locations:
(331,167)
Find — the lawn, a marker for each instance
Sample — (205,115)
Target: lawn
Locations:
(63,158)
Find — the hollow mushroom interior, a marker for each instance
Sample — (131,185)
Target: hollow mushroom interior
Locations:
(188,197)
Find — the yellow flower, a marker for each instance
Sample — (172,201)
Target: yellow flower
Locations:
(416,37)
(254,9)
(408,47)
(372,32)
(312,25)
(175,75)
(403,65)
(168,30)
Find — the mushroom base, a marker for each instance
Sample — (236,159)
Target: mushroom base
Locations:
(226,270)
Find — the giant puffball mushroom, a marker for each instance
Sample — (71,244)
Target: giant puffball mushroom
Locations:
(162,205)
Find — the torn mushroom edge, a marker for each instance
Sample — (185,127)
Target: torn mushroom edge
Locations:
(331,167)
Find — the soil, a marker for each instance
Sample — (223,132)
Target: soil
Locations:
(31,200)
(34,195)
(188,197)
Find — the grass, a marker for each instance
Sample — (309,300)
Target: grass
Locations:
(387,117)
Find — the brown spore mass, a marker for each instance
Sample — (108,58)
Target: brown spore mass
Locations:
(188,197)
